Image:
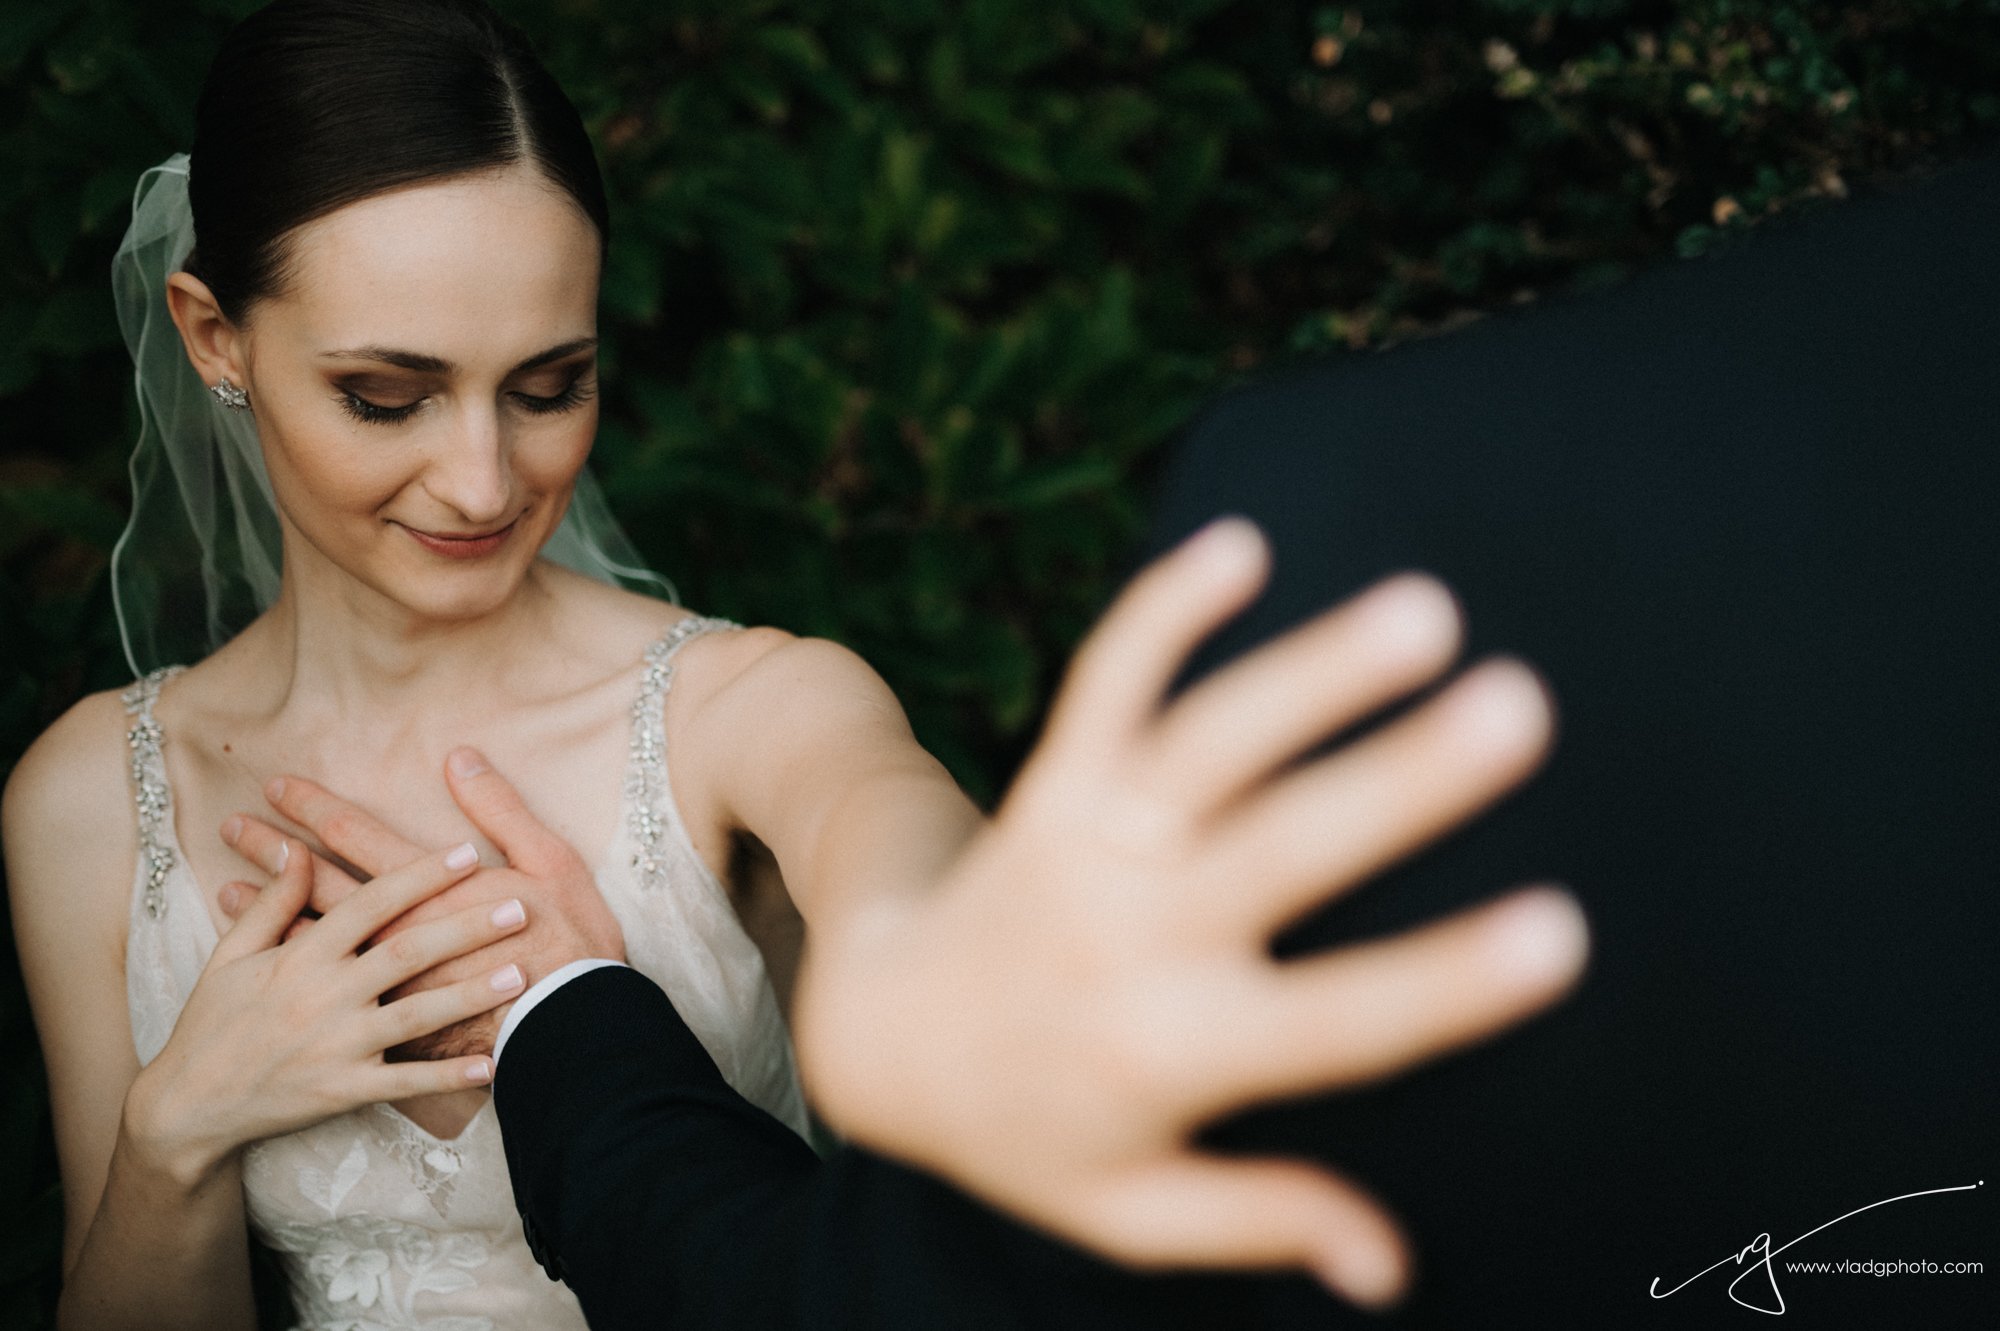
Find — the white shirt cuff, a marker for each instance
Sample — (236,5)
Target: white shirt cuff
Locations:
(541,989)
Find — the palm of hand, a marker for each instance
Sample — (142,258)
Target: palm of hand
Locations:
(1111,927)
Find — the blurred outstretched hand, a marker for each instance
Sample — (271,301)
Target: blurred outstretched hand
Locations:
(1092,983)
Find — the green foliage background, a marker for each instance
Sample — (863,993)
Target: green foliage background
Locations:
(906,297)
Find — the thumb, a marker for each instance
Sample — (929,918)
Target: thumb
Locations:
(1206,1210)
(496,809)
(264,917)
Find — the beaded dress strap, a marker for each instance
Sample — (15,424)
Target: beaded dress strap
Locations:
(646,787)
(149,786)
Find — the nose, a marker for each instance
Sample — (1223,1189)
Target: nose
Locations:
(470,474)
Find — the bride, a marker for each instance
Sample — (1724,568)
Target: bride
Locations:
(363,317)
(369,392)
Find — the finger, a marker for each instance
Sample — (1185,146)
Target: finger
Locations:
(415,950)
(258,842)
(1334,823)
(1258,712)
(1376,1008)
(420,1014)
(348,831)
(1119,674)
(1254,1212)
(406,1081)
(263,922)
(235,898)
(343,929)
(497,810)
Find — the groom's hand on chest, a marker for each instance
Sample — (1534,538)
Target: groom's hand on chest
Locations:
(567,919)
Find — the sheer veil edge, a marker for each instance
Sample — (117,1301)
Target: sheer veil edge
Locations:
(200,555)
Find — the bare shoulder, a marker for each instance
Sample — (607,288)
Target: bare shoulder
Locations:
(783,673)
(713,672)
(786,709)
(73,778)
(67,819)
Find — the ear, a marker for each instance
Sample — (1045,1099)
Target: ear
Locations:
(214,344)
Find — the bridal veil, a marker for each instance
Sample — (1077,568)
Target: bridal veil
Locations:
(200,556)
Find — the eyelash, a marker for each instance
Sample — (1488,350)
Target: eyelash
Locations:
(573,396)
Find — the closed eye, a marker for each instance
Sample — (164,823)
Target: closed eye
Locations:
(574,395)
(374,412)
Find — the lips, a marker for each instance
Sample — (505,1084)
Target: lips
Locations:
(462,547)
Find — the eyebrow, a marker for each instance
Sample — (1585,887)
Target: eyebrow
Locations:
(427,364)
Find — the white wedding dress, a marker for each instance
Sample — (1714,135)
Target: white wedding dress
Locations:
(379,1223)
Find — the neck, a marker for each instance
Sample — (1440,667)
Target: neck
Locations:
(359,654)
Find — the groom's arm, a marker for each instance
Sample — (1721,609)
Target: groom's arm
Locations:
(661,1197)
(658,1194)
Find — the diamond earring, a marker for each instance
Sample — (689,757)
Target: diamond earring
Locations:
(229,395)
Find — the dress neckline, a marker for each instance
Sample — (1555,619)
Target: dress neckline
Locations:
(643,781)
(643,784)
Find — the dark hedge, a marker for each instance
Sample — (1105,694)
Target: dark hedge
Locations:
(906,297)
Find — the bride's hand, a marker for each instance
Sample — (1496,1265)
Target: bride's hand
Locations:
(1092,981)
(571,919)
(281,1033)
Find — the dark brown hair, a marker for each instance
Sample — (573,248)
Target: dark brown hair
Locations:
(314,104)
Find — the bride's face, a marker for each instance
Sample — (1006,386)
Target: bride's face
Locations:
(424,385)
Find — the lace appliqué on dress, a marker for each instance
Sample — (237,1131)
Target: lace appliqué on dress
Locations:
(358,1259)
(365,1273)
(149,786)
(646,783)
(431,1163)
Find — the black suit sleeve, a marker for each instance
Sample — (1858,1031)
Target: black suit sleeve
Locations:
(663,1198)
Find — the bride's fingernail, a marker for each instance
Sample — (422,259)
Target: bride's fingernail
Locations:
(228,897)
(506,979)
(232,828)
(284,855)
(274,789)
(464,857)
(508,914)
(481,1072)
(466,762)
